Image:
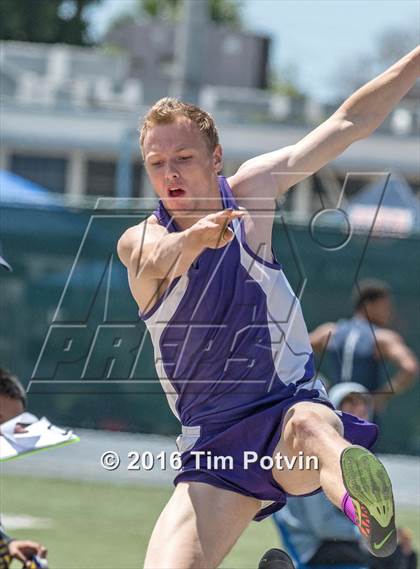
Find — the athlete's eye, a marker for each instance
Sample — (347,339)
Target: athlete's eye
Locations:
(158,163)
(184,158)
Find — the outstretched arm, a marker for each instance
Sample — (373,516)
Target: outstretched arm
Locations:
(270,175)
(393,348)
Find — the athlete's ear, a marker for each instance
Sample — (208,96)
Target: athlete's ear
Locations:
(218,159)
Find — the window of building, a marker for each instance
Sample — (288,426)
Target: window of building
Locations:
(48,172)
(137,180)
(167,64)
(101,178)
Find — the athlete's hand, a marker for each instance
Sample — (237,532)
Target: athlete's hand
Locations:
(212,230)
(25,550)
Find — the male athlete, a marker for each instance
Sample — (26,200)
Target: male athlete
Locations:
(231,346)
(355,346)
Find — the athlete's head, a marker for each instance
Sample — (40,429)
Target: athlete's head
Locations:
(182,154)
(372,300)
(357,404)
(12,396)
(352,398)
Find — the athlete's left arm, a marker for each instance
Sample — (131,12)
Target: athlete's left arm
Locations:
(393,348)
(272,174)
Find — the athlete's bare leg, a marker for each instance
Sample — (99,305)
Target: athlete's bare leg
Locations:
(198,527)
(314,430)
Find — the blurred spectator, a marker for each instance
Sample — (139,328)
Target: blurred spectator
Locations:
(12,404)
(355,346)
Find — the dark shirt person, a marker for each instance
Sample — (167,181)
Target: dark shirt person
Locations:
(355,347)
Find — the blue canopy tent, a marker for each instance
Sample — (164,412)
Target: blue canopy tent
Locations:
(28,208)
(35,222)
(16,190)
(399,212)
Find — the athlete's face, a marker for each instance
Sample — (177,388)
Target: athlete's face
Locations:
(357,406)
(182,169)
(9,408)
(381,311)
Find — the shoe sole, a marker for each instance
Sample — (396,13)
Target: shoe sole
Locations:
(370,489)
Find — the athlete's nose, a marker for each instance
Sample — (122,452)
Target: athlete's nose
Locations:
(171,172)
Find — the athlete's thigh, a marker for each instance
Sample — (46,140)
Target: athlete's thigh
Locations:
(198,527)
(304,476)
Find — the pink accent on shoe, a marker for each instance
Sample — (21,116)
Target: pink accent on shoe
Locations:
(348,508)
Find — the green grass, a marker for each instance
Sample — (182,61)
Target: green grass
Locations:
(101,526)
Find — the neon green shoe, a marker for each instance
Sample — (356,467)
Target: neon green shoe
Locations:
(370,489)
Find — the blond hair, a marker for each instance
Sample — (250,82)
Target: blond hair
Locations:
(166,110)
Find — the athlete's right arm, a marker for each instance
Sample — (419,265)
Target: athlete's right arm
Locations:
(393,348)
(152,254)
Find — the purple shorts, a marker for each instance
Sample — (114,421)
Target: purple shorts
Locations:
(259,432)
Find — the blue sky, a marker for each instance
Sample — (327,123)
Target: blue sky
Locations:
(315,36)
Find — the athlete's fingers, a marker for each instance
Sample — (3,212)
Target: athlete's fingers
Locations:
(235,213)
(224,235)
(228,234)
(230,213)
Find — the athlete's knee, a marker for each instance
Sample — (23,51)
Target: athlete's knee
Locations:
(305,424)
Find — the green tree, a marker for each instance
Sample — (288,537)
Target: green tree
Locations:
(46,21)
(285,81)
(221,11)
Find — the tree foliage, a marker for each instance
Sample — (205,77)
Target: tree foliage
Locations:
(285,81)
(46,21)
(221,11)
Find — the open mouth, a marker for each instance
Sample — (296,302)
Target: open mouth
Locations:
(176,192)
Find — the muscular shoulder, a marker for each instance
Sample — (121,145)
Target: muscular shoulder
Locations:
(246,188)
(326,329)
(263,176)
(144,232)
(386,337)
(320,337)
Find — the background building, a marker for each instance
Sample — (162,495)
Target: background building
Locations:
(69,115)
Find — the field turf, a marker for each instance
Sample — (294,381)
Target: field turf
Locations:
(102,526)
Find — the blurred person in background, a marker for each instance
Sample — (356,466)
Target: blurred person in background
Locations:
(12,404)
(355,346)
(319,531)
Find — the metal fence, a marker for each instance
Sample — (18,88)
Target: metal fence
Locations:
(68,288)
